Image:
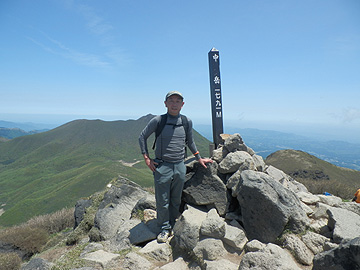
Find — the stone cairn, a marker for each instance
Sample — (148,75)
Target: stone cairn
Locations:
(238,213)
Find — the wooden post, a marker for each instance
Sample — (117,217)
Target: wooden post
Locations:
(216,96)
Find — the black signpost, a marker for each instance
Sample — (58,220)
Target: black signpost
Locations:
(215,92)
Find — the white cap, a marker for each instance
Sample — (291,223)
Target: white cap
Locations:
(171,93)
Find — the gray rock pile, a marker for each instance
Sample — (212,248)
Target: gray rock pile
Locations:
(238,213)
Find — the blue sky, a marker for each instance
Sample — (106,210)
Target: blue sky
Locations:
(287,65)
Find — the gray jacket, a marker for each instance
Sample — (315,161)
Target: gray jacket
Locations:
(170,145)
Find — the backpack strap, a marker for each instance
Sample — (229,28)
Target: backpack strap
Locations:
(162,123)
(159,128)
(185,123)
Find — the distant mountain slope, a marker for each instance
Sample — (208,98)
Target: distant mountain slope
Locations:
(10,133)
(44,172)
(265,142)
(318,175)
(26,126)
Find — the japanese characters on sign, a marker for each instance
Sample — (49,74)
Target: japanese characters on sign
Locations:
(215,92)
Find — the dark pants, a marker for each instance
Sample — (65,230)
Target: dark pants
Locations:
(169,181)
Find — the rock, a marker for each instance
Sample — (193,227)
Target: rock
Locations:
(346,256)
(314,241)
(351,206)
(222,264)
(259,163)
(80,210)
(320,226)
(84,268)
(345,224)
(254,245)
(278,175)
(307,209)
(37,264)
(116,207)
(233,182)
(206,188)
(234,143)
(272,257)
(235,236)
(219,154)
(158,251)
(213,225)
(300,251)
(209,249)
(149,214)
(308,198)
(91,247)
(121,239)
(236,160)
(187,228)
(101,257)
(320,211)
(141,233)
(267,207)
(147,202)
(295,186)
(330,200)
(329,246)
(134,261)
(178,264)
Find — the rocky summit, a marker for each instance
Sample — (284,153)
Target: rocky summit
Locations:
(239,213)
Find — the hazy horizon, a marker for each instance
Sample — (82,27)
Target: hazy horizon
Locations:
(314,131)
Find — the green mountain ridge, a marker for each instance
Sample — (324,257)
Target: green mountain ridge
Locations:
(45,172)
(316,174)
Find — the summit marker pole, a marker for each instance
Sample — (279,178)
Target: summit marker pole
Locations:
(215,93)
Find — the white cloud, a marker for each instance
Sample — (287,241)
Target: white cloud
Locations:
(95,23)
(56,47)
(350,115)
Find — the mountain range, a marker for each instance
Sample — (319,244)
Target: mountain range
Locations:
(45,172)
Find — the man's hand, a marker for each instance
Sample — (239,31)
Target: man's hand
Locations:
(203,161)
(150,163)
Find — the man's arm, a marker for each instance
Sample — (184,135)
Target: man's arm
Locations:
(144,135)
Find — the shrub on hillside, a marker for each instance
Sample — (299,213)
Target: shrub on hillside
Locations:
(32,236)
(28,239)
(10,261)
(55,222)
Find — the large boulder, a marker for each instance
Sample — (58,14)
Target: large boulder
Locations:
(267,207)
(235,161)
(272,257)
(345,225)
(209,249)
(117,206)
(213,226)
(297,247)
(187,228)
(346,256)
(80,210)
(206,188)
(235,236)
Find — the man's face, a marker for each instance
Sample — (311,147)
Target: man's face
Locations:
(174,104)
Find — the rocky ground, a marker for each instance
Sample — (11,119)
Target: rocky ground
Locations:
(238,213)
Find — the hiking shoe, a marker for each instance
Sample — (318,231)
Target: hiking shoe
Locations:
(163,236)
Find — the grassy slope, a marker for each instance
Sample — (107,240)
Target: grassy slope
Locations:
(45,172)
(342,182)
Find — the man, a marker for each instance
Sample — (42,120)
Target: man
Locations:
(168,167)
